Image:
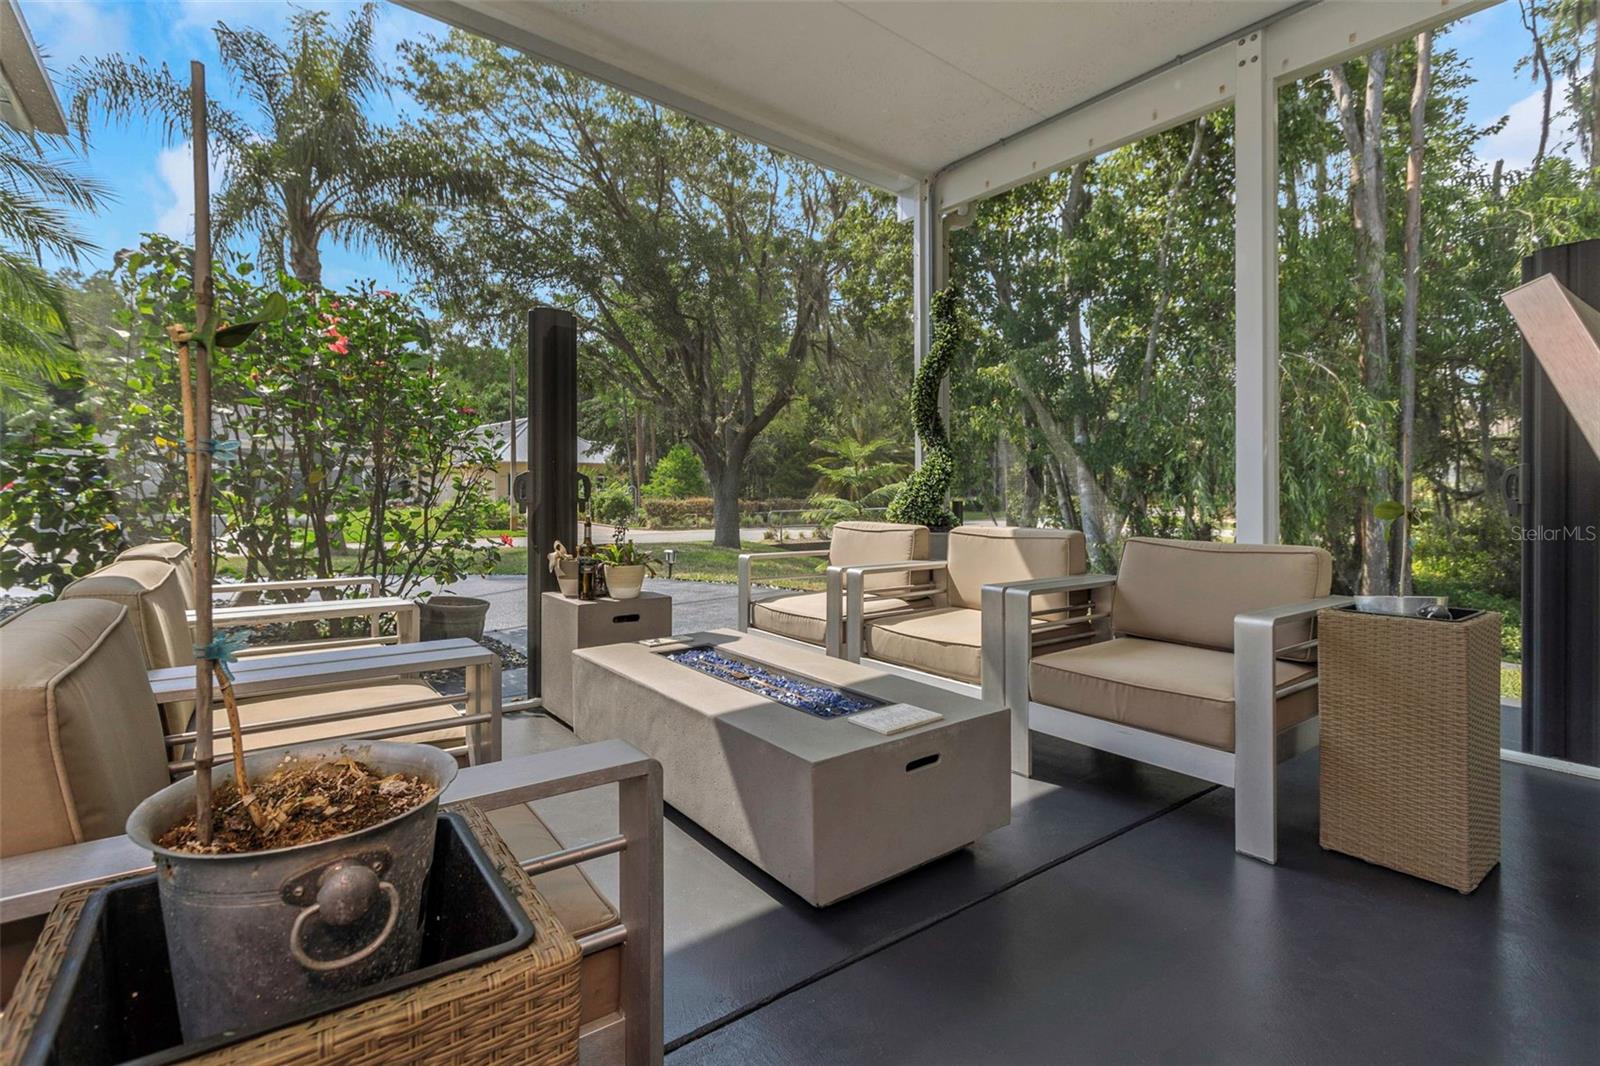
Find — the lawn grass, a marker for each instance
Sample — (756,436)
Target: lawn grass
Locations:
(1511,682)
(702,561)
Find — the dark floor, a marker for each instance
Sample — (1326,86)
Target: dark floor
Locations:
(1160,945)
(1112,922)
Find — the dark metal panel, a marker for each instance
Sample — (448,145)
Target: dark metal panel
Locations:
(553,458)
(1560,499)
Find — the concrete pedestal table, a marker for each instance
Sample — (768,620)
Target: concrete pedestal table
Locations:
(566,624)
(824,805)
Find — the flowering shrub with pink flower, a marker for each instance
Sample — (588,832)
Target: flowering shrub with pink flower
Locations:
(354,453)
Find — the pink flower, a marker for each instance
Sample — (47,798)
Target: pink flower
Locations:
(385,292)
(340,346)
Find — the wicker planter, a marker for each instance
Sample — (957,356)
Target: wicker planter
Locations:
(1411,743)
(520,1007)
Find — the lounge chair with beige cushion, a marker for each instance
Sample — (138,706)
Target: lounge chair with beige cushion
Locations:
(151,592)
(815,618)
(944,639)
(1206,666)
(81,744)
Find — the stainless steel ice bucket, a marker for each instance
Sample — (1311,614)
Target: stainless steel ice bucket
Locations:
(254,937)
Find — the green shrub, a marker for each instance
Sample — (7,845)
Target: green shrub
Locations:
(924,497)
(677,475)
(613,504)
(57,509)
(689,513)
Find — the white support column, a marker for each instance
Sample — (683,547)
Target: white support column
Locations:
(929,266)
(1255,279)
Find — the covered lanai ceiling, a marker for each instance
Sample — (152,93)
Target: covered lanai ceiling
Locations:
(886,90)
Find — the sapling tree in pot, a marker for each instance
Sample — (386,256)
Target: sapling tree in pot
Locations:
(340,836)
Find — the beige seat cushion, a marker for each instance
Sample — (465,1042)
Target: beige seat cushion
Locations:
(579,906)
(860,543)
(151,591)
(80,738)
(805,616)
(286,709)
(172,553)
(1176,689)
(1189,591)
(947,641)
(986,555)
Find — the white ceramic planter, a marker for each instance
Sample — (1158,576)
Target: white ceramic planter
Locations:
(624,581)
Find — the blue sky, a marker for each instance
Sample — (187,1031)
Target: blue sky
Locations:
(150,179)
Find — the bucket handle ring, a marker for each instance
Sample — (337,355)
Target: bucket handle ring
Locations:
(319,966)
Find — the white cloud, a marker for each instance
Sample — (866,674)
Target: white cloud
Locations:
(68,30)
(175,190)
(1518,141)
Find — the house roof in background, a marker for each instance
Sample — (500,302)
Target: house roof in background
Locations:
(28,100)
(589,453)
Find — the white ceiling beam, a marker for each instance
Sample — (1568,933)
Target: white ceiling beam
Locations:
(1301,42)
(505,24)
(1157,103)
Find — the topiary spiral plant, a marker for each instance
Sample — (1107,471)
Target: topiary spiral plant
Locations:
(923,499)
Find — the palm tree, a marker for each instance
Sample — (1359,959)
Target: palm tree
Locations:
(311,165)
(36,343)
(853,467)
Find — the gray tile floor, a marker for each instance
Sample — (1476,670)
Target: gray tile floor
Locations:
(1112,922)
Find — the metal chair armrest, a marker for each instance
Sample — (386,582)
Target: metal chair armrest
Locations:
(855,588)
(742,623)
(1008,610)
(1255,697)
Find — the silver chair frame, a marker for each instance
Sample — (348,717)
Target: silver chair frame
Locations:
(1250,769)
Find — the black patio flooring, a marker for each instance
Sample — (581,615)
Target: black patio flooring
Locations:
(1157,943)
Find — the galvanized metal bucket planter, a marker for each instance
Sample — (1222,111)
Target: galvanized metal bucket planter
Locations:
(444,617)
(258,936)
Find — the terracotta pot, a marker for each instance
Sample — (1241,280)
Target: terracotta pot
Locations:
(624,581)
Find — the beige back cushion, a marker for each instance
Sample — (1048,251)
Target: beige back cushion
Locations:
(168,551)
(984,555)
(80,739)
(157,610)
(1187,592)
(859,543)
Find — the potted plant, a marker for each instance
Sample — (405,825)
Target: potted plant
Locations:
(564,565)
(297,874)
(625,566)
(924,499)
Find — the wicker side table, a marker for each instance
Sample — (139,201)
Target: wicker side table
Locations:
(521,1008)
(1411,743)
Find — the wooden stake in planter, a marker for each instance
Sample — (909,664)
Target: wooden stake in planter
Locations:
(197,416)
(194,372)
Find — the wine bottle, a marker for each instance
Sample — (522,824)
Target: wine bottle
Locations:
(588,566)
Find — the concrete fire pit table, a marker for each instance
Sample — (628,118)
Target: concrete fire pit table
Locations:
(826,806)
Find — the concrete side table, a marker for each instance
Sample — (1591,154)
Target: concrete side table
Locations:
(567,624)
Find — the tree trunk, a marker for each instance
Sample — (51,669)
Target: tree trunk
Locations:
(1100,521)
(1541,72)
(1163,286)
(305,259)
(1594,102)
(1413,290)
(1364,136)
(725,503)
